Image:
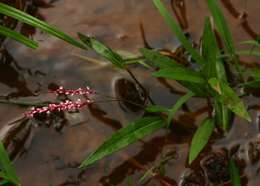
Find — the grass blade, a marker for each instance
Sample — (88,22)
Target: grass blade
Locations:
(249,53)
(7,167)
(30,20)
(209,50)
(124,137)
(214,67)
(178,105)
(180,74)
(222,27)
(156,108)
(102,50)
(18,37)
(251,42)
(159,60)
(234,173)
(178,32)
(227,96)
(200,139)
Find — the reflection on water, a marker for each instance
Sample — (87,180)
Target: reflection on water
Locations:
(54,155)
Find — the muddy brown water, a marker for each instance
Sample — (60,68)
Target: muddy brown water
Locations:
(49,153)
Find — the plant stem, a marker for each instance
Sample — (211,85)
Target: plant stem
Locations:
(140,85)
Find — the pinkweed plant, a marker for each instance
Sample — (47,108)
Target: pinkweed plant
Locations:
(66,105)
(80,91)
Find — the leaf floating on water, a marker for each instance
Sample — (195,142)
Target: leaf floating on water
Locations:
(124,137)
(227,96)
(200,139)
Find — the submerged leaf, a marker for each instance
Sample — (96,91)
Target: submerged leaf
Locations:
(30,20)
(102,50)
(200,139)
(178,32)
(234,173)
(124,137)
(180,74)
(227,96)
(18,37)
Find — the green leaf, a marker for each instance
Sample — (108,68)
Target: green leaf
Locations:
(249,53)
(200,139)
(255,73)
(124,137)
(7,167)
(178,105)
(156,108)
(199,89)
(209,50)
(214,68)
(30,20)
(18,37)
(158,59)
(226,95)
(180,74)
(222,115)
(102,50)
(222,26)
(234,173)
(178,32)
(251,84)
(251,42)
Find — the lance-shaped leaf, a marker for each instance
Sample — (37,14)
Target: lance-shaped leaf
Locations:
(214,68)
(178,32)
(30,20)
(124,137)
(156,108)
(103,50)
(226,95)
(8,172)
(234,173)
(180,74)
(18,37)
(209,51)
(159,60)
(222,26)
(178,105)
(200,139)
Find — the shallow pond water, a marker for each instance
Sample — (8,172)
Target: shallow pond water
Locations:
(50,152)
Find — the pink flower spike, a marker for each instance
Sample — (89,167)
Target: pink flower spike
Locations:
(62,106)
(71,92)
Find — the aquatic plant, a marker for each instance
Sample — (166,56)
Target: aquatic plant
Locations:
(207,79)
(7,172)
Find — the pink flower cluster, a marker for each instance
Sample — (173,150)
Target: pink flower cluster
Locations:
(67,105)
(80,91)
